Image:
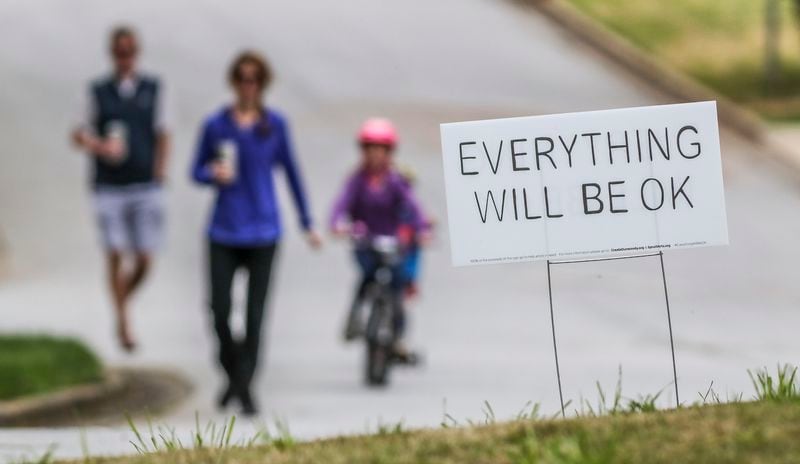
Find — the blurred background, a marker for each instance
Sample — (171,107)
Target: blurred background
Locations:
(484,332)
(747,50)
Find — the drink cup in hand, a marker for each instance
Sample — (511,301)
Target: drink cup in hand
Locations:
(116,142)
(226,161)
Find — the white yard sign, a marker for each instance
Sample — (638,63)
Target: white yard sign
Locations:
(590,184)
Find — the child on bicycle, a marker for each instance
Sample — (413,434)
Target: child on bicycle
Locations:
(377,201)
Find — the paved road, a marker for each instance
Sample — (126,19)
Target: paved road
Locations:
(485,330)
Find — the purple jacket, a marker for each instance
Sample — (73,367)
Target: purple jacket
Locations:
(246,212)
(381,208)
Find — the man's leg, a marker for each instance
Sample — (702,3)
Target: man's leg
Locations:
(128,219)
(145,220)
(136,276)
(125,282)
(110,209)
(259,267)
(116,280)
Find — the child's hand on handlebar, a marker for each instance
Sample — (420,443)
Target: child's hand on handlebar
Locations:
(341,229)
(425,237)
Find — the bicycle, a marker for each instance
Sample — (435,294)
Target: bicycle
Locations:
(382,300)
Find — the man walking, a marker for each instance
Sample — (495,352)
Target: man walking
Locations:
(124,132)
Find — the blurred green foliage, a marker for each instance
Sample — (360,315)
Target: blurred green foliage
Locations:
(720,43)
(38,364)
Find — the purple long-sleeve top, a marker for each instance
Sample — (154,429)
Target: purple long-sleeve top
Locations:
(246,211)
(381,205)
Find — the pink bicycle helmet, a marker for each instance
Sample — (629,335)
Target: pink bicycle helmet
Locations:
(379,131)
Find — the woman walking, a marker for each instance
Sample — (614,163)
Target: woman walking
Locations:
(238,148)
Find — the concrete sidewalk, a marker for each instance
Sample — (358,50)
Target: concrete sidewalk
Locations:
(485,331)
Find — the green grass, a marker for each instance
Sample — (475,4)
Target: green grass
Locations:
(719,43)
(632,431)
(764,432)
(780,387)
(33,364)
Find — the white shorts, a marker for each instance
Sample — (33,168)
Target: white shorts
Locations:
(130,217)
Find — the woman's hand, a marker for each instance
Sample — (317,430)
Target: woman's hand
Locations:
(314,239)
(222,172)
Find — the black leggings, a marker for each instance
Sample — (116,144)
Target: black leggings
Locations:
(239,358)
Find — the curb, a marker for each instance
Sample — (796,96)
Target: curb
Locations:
(13,411)
(669,81)
(122,391)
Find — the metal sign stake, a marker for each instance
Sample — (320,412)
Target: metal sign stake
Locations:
(553,323)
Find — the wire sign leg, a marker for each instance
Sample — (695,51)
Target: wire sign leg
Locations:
(555,347)
(553,322)
(669,322)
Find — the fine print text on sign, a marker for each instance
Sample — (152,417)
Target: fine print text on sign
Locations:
(592,184)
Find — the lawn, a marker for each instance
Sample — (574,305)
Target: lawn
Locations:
(720,43)
(632,431)
(38,364)
(757,432)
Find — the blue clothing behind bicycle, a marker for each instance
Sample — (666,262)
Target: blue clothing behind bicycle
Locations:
(246,211)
